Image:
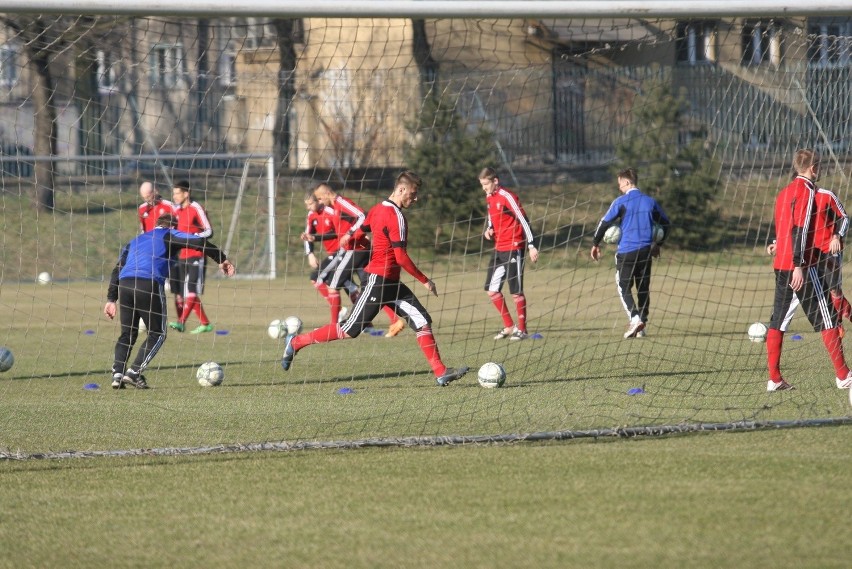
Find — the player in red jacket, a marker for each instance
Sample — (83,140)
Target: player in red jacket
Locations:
(382,287)
(510,229)
(188,283)
(798,272)
(152,207)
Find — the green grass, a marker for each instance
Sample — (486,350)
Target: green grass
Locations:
(758,499)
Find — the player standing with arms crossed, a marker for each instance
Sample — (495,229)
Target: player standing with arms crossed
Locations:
(188,284)
(510,229)
(389,255)
(637,213)
(152,207)
(798,272)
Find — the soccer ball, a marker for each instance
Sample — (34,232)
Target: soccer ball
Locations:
(43,278)
(293,324)
(210,374)
(7,360)
(277,329)
(612,235)
(658,232)
(492,375)
(757,332)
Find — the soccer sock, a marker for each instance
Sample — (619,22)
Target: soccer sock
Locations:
(322,288)
(188,305)
(500,302)
(391,314)
(774,341)
(198,308)
(430,349)
(521,306)
(327,333)
(834,345)
(333,299)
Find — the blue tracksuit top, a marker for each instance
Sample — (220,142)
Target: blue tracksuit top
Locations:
(637,213)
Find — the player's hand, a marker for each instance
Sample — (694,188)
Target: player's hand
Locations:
(488,233)
(307,237)
(344,240)
(312,261)
(430,286)
(798,279)
(834,247)
(533,254)
(596,253)
(655,250)
(109,310)
(770,249)
(228,268)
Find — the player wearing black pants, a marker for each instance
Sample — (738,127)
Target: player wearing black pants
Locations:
(137,282)
(634,269)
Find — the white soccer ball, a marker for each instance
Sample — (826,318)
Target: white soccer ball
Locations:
(293,324)
(43,278)
(757,332)
(7,360)
(492,375)
(658,232)
(612,235)
(277,329)
(210,374)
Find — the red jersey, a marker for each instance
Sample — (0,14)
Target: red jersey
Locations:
(794,225)
(390,239)
(830,219)
(349,219)
(320,224)
(148,213)
(193,219)
(509,220)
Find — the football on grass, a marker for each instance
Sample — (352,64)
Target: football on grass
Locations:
(293,324)
(277,329)
(612,235)
(7,360)
(492,375)
(757,332)
(210,374)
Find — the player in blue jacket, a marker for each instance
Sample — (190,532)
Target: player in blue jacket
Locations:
(637,214)
(137,284)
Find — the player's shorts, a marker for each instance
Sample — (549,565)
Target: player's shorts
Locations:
(187,276)
(506,265)
(342,266)
(833,271)
(323,265)
(813,296)
(377,292)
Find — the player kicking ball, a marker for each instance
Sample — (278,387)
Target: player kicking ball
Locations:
(383,288)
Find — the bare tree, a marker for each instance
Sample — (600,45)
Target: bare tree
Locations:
(286,30)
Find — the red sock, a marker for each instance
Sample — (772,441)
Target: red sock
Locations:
(188,305)
(391,314)
(322,288)
(430,349)
(333,299)
(327,333)
(834,345)
(521,306)
(774,341)
(500,302)
(198,308)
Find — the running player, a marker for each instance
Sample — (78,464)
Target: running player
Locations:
(510,229)
(152,207)
(382,288)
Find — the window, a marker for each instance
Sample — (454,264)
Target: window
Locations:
(259,33)
(168,67)
(761,43)
(695,42)
(829,42)
(107,72)
(8,65)
(227,68)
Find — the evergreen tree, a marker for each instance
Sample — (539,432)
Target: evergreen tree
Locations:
(681,174)
(449,158)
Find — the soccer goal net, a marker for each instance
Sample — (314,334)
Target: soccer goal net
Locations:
(256,111)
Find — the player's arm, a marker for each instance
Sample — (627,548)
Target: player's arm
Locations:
(203,222)
(841,224)
(177,240)
(612,216)
(660,218)
(112,291)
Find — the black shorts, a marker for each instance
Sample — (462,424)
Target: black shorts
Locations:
(342,266)
(186,276)
(813,296)
(506,265)
(377,292)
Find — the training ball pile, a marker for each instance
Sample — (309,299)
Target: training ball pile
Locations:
(277,329)
(612,235)
(757,332)
(7,360)
(43,278)
(293,324)
(492,375)
(210,374)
